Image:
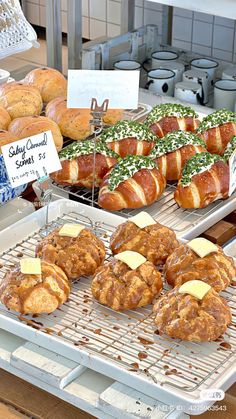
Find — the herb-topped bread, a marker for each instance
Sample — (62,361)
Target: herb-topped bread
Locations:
(174,150)
(170,117)
(134,182)
(229,149)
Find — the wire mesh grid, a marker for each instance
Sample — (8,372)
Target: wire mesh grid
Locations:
(128,340)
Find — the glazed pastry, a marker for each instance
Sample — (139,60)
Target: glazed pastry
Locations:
(183,316)
(118,286)
(174,150)
(216,269)
(35,294)
(50,82)
(20,100)
(217,129)
(5,119)
(205,178)
(129,138)
(133,183)
(77,256)
(170,117)
(77,161)
(32,125)
(6,137)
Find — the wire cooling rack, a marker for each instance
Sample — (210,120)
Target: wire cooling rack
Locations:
(125,341)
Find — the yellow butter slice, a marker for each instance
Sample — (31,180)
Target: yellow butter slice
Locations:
(195,288)
(202,247)
(71,230)
(132,259)
(31,266)
(142,219)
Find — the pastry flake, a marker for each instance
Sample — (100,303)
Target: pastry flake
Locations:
(202,247)
(142,220)
(132,259)
(31,266)
(71,230)
(197,289)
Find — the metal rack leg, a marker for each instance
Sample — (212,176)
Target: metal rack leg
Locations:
(54,34)
(167,19)
(74,35)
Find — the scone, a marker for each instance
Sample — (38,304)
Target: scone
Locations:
(118,286)
(5,118)
(77,256)
(216,269)
(50,82)
(183,316)
(7,137)
(20,100)
(35,294)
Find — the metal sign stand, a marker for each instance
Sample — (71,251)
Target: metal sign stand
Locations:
(46,194)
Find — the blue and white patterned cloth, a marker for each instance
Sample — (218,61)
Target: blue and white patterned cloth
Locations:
(6,191)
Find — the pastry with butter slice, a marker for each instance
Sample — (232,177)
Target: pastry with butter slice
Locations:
(31,266)
(132,259)
(71,230)
(142,219)
(202,247)
(197,289)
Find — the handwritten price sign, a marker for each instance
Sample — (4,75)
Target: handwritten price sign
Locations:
(30,158)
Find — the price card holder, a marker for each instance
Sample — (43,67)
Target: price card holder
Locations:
(232,173)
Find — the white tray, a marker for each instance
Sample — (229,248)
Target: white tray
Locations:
(94,336)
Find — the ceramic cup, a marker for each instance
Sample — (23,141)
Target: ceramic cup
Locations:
(225,94)
(229,73)
(127,65)
(188,91)
(200,77)
(208,65)
(4,76)
(177,68)
(161,58)
(161,81)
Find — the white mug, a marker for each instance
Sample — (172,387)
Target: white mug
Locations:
(127,65)
(161,81)
(161,58)
(176,67)
(208,65)
(200,77)
(188,91)
(225,94)
(229,73)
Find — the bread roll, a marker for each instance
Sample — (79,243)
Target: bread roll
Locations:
(5,119)
(229,149)
(50,82)
(20,100)
(6,137)
(112,116)
(32,125)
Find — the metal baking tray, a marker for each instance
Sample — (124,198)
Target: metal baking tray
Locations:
(123,346)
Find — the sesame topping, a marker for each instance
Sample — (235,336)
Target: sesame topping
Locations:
(125,129)
(83,148)
(215,119)
(173,141)
(169,109)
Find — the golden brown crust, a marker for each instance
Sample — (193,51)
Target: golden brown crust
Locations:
(50,82)
(131,146)
(216,269)
(217,138)
(76,256)
(6,137)
(205,187)
(155,242)
(182,316)
(5,119)
(112,116)
(172,123)
(121,288)
(35,294)
(20,100)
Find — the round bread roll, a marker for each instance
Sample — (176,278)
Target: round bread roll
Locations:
(32,125)
(112,116)
(182,316)
(20,100)
(76,256)
(122,288)
(5,118)
(50,82)
(6,137)
(35,294)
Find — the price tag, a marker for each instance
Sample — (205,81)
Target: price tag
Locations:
(120,87)
(232,173)
(30,158)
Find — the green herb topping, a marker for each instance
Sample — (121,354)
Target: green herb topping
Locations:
(173,141)
(83,148)
(215,119)
(198,164)
(169,109)
(127,167)
(125,129)
(230,148)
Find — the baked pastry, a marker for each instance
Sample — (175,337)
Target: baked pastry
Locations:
(170,117)
(77,161)
(134,182)
(35,294)
(112,116)
(6,137)
(183,264)
(20,100)
(50,82)
(174,150)
(119,287)
(77,256)
(217,129)
(129,138)
(229,149)
(205,178)
(5,119)
(32,125)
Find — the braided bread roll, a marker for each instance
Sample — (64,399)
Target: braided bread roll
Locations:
(129,138)
(205,178)
(20,100)
(174,150)
(170,117)
(77,161)
(217,129)
(133,183)
(50,82)
(5,119)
